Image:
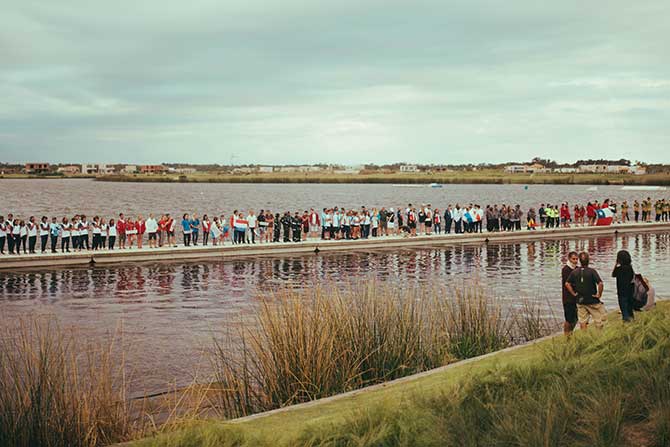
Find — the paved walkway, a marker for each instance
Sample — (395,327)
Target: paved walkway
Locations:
(310,246)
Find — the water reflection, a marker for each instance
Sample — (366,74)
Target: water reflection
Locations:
(497,265)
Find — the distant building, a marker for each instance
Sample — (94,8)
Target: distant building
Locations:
(618,169)
(265,169)
(516,169)
(596,169)
(242,170)
(409,168)
(129,169)
(96,169)
(69,170)
(183,170)
(535,168)
(565,170)
(152,169)
(638,170)
(36,168)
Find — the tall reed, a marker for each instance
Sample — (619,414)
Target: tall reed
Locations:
(328,340)
(52,394)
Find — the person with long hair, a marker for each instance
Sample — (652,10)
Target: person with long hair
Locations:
(624,274)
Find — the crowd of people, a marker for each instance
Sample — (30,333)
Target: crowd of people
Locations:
(100,233)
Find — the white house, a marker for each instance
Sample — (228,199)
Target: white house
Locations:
(618,169)
(129,169)
(265,169)
(409,168)
(593,168)
(565,170)
(98,168)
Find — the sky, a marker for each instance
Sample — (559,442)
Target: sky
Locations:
(347,82)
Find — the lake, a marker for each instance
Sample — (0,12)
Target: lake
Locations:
(170,311)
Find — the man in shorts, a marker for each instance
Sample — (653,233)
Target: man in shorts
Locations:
(585,285)
(569,301)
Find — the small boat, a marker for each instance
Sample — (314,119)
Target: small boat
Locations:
(436,185)
(592,188)
(644,188)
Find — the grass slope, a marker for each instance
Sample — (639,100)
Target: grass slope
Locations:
(596,389)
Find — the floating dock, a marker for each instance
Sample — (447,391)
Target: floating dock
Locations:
(227,251)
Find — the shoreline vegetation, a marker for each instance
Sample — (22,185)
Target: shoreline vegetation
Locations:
(596,388)
(446,178)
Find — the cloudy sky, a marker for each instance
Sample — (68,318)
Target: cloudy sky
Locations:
(296,81)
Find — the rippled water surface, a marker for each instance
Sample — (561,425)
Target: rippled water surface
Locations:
(169,310)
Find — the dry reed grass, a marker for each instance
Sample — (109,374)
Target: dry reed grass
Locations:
(306,346)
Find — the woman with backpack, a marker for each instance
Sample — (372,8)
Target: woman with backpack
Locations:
(623,272)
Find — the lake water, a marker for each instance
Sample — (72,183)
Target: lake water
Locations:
(85,196)
(169,311)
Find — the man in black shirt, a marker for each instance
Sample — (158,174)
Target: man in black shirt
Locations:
(569,301)
(585,285)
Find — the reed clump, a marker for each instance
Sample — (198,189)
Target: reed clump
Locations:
(57,391)
(53,394)
(329,340)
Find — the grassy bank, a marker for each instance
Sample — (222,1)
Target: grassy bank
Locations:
(460,177)
(596,389)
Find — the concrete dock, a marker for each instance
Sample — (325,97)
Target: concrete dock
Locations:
(227,251)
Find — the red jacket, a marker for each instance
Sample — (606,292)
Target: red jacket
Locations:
(141,227)
(121,226)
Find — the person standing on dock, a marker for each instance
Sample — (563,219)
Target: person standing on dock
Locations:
(457,217)
(54,230)
(152,228)
(121,230)
(251,224)
(569,301)
(585,285)
(111,234)
(195,229)
(186,230)
(3,234)
(44,233)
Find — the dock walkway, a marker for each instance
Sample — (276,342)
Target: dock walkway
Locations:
(181,253)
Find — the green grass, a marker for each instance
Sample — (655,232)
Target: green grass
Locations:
(604,388)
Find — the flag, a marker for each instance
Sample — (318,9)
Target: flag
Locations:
(605,217)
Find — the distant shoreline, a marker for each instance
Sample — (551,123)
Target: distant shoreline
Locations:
(426,179)
(456,177)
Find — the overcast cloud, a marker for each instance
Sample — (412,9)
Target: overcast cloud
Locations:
(345,82)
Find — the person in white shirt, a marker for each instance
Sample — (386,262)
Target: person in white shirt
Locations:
(31,227)
(3,234)
(83,233)
(65,228)
(95,225)
(23,235)
(152,229)
(104,229)
(111,234)
(251,223)
(44,233)
(457,217)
